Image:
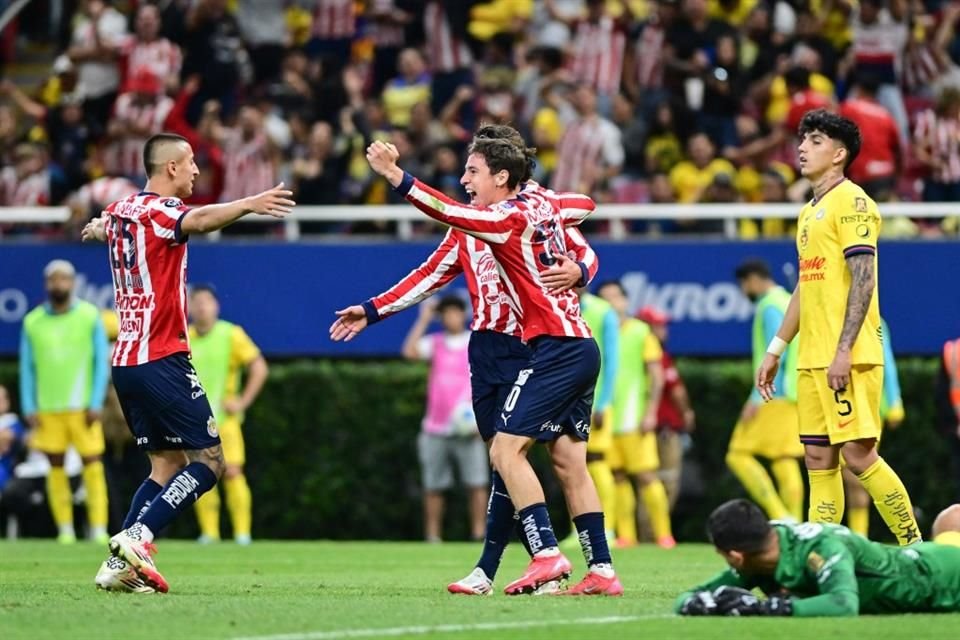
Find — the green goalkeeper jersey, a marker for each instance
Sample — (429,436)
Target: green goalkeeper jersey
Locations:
(831,571)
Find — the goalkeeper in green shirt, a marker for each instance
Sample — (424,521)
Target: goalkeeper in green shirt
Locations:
(814,569)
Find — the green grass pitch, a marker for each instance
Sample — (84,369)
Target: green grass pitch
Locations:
(328,591)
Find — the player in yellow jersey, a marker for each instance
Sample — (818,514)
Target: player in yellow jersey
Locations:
(220,352)
(633,454)
(837,315)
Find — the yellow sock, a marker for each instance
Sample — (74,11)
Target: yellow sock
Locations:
(95,482)
(208,513)
(238,504)
(626,512)
(858,520)
(59,497)
(658,506)
(891,499)
(606,489)
(826,495)
(758,484)
(786,471)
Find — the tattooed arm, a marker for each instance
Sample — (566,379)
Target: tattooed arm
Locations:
(863,282)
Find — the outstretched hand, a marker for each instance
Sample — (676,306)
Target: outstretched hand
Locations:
(274,202)
(349,323)
(95,230)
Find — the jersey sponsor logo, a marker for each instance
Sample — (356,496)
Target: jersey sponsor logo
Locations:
(857,218)
(863,231)
(488,277)
(130,329)
(129,281)
(688,301)
(194,380)
(551,426)
(179,488)
(804,237)
(135,301)
(212,427)
(582,426)
(173,203)
(860,204)
(844,424)
(813,269)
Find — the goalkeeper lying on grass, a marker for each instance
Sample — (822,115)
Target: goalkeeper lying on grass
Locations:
(815,569)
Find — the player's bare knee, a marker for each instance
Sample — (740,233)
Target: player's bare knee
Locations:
(233,471)
(90,459)
(860,455)
(56,459)
(646,478)
(212,457)
(820,458)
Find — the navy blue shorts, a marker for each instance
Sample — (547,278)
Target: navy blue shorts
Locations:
(165,405)
(553,392)
(495,360)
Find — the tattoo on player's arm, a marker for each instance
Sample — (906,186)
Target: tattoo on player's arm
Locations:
(862,284)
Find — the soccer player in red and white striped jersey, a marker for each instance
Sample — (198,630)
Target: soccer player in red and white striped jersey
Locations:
(551,399)
(162,398)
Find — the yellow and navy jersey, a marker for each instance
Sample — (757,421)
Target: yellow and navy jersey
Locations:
(242,351)
(843,223)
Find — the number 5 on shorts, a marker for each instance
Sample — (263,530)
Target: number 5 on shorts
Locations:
(846,409)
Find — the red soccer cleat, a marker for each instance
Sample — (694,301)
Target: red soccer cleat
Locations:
(540,571)
(594,584)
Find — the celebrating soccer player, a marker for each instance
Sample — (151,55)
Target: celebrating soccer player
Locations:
(497,353)
(552,396)
(162,398)
(814,569)
(835,310)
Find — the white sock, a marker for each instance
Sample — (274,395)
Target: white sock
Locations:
(604,569)
(66,530)
(140,531)
(549,552)
(97,531)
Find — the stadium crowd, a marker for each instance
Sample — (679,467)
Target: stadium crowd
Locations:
(646,100)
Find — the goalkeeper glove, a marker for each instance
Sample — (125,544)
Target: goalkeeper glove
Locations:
(734,601)
(700,603)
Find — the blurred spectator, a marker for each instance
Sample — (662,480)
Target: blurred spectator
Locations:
(722,94)
(28,182)
(690,178)
(449,428)
(264,30)
(591,151)
(12,432)
(543,67)
(663,149)
(447,171)
(492,17)
(691,41)
(936,143)
(332,32)
(204,140)
(877,166)
(387,20)
(407,89)
(634,134)
(317,175)
(94,197)
(98,36)
(139,113)
(645,57)
(249,157)
(214,50)
(445,29)
(147,49)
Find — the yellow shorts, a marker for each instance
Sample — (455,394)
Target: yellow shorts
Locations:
(773,433)
(834,417)
(57,431)
(634,452)
(601,440)
(231,436)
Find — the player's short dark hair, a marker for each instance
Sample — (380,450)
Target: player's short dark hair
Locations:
(611,283)
(150,165)
(508,133)
(451,302)
(502,155)
(753,267)
(739,525)
(204,287)
(836,127)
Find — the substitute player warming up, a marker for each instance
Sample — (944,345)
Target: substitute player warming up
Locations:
(840,354)
(161,396)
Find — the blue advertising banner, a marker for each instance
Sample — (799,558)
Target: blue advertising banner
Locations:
(285,294)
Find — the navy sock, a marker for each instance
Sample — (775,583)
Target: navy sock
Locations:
(141,500)
(593,538)
(182,491)
(518,528)
(537,528)
(499,526)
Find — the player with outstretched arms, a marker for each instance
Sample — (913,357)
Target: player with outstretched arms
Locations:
(161,396)
(496,351)
(835,310)
(819,569)
(552,396)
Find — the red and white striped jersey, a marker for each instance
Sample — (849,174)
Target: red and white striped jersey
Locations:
(334,20)
(30,191)
(103,191)
(445,52)
(524,235)
(648,56)
(247,166)
(160,56)
(384,32)
(598,52)
(940,137)
(462,253)
(148,257)
(587,146)
(124,156)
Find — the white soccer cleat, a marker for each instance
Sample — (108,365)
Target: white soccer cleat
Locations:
(116,575)
(550,588)
(129,546)
(475,584)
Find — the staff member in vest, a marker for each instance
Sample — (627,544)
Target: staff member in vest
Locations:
(634,457)
(769,430)
(63,381)
(221,351)
(450,427)
(605,327)
(948,404)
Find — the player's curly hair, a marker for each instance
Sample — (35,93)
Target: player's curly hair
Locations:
(508,133)
(835,127)
(502,155)
(739,525)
